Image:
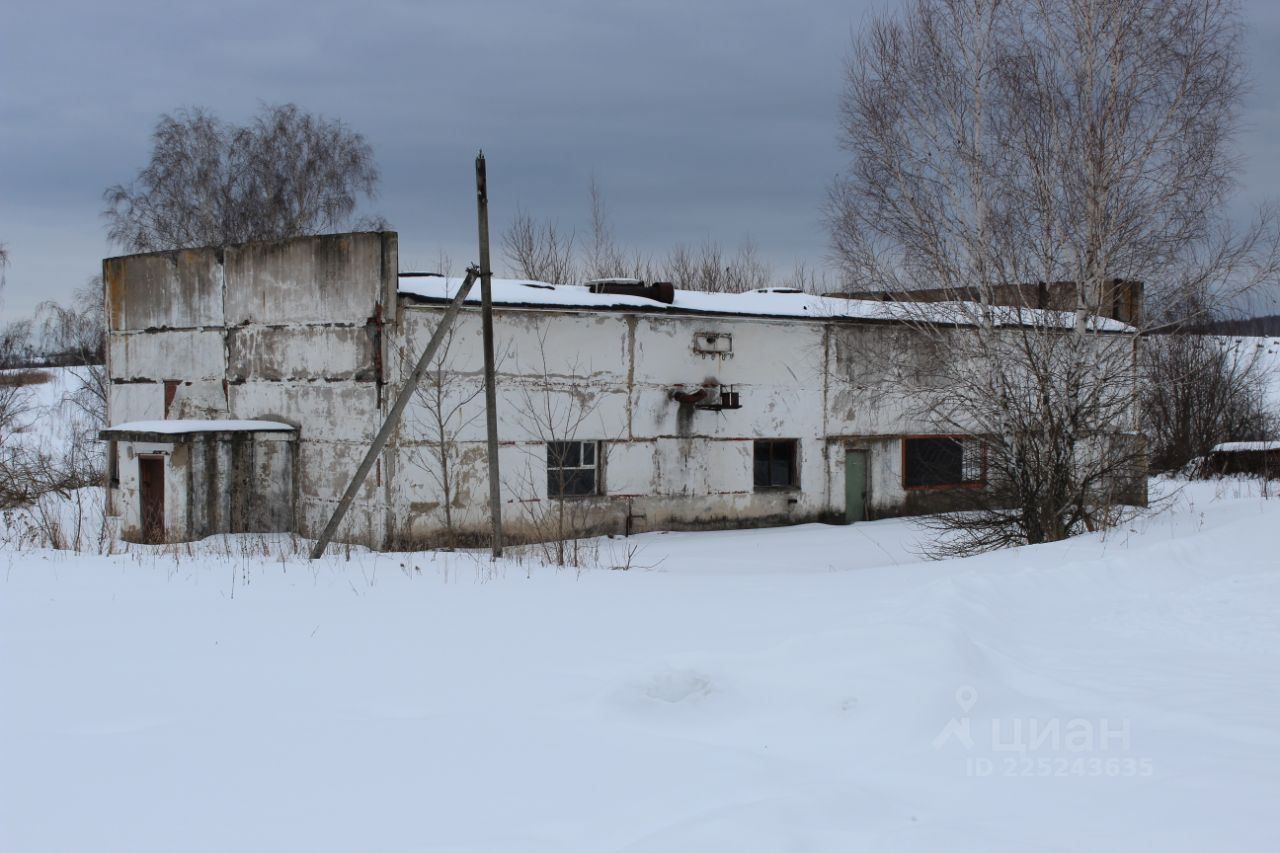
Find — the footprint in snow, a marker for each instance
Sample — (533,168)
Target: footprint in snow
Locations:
(678,685)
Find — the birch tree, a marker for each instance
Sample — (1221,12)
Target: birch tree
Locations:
(287,173)
(999,143)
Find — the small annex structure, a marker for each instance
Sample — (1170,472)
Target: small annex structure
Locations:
(1255,458)
(247,383)
(202,477)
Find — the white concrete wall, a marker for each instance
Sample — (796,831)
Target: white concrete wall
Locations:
(126,500)
(609,377)
(291,330)
(214,483)
(311,332)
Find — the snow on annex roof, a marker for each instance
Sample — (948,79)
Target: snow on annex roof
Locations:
(187,427)
(1246,447)
(773,302)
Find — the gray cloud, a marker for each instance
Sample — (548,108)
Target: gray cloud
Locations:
(711,119)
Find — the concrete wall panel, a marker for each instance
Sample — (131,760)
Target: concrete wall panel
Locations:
(136,401)
(328,279)
(181,289)
(189,355)
(326,411)
(272,353)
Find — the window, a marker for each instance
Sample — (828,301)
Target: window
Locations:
(170,391)
(775,464)
(941,460)
(572,469)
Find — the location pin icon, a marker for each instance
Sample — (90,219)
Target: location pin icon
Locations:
(967,697)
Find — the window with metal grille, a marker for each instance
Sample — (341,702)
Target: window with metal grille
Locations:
(944,460)
(775,464)
(572,469)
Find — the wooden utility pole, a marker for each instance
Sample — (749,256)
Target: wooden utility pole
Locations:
(490,369)
(393,417)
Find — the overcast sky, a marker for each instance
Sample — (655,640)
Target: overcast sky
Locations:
(699,119)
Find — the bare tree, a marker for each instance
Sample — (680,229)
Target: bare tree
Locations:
(605,259)
(539,250)
(808,278)
(1000,143)
(287,173)
(1199,391)
(74,335)
(555,406)
(444,409)
(1050,420)
(709,268)
(14,396)
(57,458)
(24,469)
(15,401)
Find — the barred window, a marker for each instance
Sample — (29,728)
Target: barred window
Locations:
(572,469)
(948,460)
(775,464)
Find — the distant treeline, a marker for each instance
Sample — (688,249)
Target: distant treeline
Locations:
(1265,326)
(28,359)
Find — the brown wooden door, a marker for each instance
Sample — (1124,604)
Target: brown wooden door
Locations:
(151,493)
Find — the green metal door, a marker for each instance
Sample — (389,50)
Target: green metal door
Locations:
(855,485)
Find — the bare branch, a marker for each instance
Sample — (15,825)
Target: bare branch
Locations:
(208,183)
(539,250)
(997,144)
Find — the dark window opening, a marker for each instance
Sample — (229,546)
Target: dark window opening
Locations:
(775,464)
(113,464)
(941,461)
(572,469)
(170,391)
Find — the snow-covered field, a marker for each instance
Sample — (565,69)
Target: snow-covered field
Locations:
(51,420)
(1267,351)
(809,688)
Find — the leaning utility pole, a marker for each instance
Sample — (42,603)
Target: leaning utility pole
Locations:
(411,382)
(490,389)
(393,417)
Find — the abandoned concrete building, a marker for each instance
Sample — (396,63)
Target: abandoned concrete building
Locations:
(247,382)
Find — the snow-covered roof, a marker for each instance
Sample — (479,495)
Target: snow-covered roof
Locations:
(185,427)
(1246,446)
(772,302)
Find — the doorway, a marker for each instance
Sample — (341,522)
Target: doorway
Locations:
(855,485)
(151,495)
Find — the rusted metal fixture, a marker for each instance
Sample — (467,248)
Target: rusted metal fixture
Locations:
(710,397)
(658,291)
(730,398)
(690,398)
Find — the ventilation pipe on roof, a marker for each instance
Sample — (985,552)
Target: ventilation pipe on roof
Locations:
(659,291)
